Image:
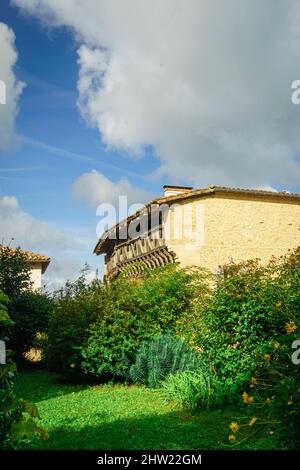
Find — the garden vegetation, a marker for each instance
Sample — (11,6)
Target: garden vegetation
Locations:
(206,342)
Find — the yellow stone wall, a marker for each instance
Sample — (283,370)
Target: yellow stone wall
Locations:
(235,227)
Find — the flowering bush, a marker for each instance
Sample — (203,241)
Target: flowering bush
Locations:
(252,307)
(272,395)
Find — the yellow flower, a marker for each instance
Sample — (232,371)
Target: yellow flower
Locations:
(269,401)
(267,357)
(276,345)
(252,421)
(231,437)
(253,381)
(234,426)
(72,366)
(247,399)
(290,402)
(279,304)
(290,327)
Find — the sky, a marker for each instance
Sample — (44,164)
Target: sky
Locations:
(123,97)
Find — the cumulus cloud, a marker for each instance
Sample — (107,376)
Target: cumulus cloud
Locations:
(209,87)
(25,229)
(68,252)
(94,189)
(11,89)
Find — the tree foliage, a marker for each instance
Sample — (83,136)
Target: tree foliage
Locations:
(14,272)
(16,415)
(28,309)
(140,309)
(76,306)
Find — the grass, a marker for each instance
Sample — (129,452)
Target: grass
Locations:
(110,417)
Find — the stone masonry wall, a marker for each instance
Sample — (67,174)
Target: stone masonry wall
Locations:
(235,227)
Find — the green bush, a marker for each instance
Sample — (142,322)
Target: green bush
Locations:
(248,310)
(163,355)
(76,306)
(139,309)
(16,415)
(30,312)
(272,395)
(193,389)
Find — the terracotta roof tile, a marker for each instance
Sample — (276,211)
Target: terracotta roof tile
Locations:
(34,257)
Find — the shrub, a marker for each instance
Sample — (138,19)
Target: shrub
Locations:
(161,356)
(30,312)
(76,306)
(193,389)
(272,395)
(111,344)
(248,310)
(16,415)
(139,309)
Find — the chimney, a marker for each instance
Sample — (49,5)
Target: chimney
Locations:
(174,190)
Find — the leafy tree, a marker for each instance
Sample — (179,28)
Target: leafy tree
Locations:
(29,310)
(14,272)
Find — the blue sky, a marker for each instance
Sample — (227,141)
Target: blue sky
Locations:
(143,95)
(39,176)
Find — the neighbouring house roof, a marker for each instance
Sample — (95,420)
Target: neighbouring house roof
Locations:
(33,258)
(101,245)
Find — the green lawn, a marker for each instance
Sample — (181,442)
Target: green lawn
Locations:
(119,417)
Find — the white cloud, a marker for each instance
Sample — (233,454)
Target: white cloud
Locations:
(13,87)
(209,87)
(266,187)
(68,252)
(94,188)
(25,229)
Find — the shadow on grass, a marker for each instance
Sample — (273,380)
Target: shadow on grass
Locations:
(108,418)
(38,385)
(177,430)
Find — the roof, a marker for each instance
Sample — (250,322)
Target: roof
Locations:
(30,256)
(170,186)
(223,189)
(195,194)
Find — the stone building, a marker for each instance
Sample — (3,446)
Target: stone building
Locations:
(204,227)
